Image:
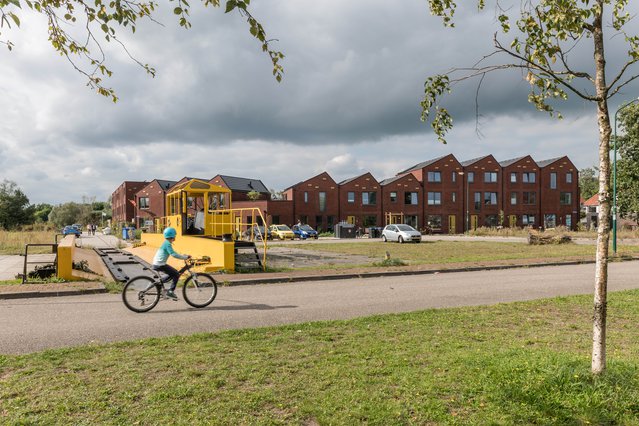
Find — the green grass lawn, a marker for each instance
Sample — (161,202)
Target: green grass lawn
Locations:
(441,252)
(518,363)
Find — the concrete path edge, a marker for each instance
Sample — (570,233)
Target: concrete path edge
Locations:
(291,279)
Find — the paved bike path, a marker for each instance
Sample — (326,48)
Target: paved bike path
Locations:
(35,324)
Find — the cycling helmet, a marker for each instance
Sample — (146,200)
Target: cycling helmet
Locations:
(169,233)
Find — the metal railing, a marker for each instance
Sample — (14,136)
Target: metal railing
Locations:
(54,248)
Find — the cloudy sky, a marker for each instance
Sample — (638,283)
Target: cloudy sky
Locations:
(348,103)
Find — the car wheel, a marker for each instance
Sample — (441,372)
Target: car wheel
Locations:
(400,239)
(384,238)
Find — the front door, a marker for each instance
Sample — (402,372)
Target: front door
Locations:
(451,224)
(512,221)
(350,219)
(474,221)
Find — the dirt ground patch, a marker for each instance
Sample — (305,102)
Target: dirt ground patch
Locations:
(285,257)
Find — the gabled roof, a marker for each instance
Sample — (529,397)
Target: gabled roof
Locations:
(422,165)
(473,160)
(545,163)
(306,180)
(240,184)
(165,184)
(396,178)
(592,201)
(355,178)
(507,163)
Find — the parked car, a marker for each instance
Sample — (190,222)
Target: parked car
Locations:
(257,232)
(71,230)
(401,233)
(282,232)
(106,230)
(304,231)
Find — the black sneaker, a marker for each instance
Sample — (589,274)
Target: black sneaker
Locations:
(171,295)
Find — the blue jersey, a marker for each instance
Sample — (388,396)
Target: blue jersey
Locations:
(163,253)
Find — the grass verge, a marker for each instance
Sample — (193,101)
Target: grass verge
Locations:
(518,363)
(444,252)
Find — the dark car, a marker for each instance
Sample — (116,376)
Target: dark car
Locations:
(71,230)
(256,232)
(304,231)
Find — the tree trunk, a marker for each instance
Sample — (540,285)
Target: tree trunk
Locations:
(603,231)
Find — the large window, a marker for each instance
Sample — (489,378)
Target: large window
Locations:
(565,198)
(393,197)
(513,177)
(528,219)
(529,198)
(490,177)
(350,196)
(569,177)
(553,180)
(550,221)
(490,198)
(434,222)
(144,202)
(369,198)
(410,198)
(491,220)
(471,176)
(477,201)
(434,176)
(322,201)
(528,177)
(513,198)
(370,220)
(434,198)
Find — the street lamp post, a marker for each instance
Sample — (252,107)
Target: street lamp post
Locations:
(614,178)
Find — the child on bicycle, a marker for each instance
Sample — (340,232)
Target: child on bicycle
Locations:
(162,255)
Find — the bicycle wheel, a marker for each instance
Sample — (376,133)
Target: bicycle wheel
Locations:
(199,290)
(141,294)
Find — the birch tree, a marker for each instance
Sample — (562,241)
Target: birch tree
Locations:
(78,30)
(536,38)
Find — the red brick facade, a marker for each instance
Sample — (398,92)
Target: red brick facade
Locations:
(559,184)
(315,201)
(360,201)
(442,195)
(150,202)
(123,201)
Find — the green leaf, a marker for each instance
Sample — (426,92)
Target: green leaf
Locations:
(15,2)
(230,5)
(15,19)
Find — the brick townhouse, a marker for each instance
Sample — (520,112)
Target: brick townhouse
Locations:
(443,194)
(360,201)
(123,201)
(150,202)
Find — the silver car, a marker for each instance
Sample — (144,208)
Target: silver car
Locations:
(401,233)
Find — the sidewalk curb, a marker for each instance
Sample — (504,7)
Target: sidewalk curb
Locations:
(37,294)
(332,277)
(276,280)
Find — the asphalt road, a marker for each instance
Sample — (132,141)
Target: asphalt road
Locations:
(28,325)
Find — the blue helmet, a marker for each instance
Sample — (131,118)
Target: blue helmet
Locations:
(169,233)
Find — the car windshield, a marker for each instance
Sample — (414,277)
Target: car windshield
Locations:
(283,228)
(306,228)
(405,228)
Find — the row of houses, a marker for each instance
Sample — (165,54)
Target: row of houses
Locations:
(443,195)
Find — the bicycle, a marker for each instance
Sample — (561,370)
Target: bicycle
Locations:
(142,293)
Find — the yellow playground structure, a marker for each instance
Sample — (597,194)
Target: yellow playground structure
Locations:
(206,225)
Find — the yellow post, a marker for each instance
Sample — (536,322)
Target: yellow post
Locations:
(66,248)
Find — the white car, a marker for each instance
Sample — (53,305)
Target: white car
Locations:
(106,231)
(401,233)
